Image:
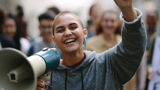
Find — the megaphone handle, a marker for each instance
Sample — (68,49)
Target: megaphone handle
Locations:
(46,77)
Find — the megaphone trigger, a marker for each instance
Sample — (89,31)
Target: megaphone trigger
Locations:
(46,76)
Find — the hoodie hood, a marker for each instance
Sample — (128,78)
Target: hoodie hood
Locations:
(88,59)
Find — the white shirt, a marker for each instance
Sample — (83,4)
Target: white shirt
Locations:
(25,45)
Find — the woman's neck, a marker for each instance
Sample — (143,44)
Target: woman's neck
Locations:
(73,58)
(47,41)
(110,37)
(11,38)
(150,32)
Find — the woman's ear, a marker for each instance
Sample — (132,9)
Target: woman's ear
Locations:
(54,40)
(39,27)
(84,33)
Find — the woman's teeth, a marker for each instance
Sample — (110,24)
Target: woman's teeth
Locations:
(70,40)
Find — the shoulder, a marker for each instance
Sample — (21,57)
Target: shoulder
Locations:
(6,42)
(92,54)
(38,40)
(24,42)
(155,35)
(118,37)
(25,45)
(94,39)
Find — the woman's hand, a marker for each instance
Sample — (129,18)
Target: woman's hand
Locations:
(151,73)
(124,3)
(126,6)
(41,85)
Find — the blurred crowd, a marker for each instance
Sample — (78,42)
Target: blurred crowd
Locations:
(104,32)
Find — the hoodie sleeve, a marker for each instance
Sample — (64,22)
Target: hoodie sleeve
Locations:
(124,59)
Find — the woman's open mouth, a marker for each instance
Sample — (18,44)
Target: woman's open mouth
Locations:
(69,41)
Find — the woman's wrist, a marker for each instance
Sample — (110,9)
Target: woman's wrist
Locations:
(129,13)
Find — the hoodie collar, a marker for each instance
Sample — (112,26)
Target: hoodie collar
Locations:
(89,57)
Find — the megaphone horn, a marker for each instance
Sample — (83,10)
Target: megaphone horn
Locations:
(19,72)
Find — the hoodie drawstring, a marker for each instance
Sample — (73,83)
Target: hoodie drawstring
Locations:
(81,79)
(66,81)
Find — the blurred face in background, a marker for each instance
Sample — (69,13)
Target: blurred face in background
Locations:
(45,28)
(95,11)
(151,20)
(9,28)
(109,23)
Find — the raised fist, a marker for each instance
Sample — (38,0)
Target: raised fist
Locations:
(123,3)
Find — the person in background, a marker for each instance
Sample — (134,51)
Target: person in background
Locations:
(152,21)
(45,28)
(54,9)
(22,22)
(151,72)
(107,34)
(94,13)
(4,41)
(11,29)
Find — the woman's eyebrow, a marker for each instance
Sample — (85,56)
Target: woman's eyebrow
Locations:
(59,27)
(72,23)
(69,25)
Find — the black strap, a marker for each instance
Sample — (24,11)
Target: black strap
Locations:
(82,79)
(66,81)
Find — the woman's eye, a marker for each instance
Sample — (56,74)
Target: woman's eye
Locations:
(59,31)
(74,27)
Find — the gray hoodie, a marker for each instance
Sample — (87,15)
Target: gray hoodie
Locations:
(109,70)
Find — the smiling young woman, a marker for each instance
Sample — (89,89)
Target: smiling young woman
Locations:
(85,70)
(68,36)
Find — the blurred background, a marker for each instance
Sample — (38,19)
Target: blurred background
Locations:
(100,17)
(33,8)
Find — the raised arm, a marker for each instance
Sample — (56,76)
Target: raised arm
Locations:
(128,11)
(124,59)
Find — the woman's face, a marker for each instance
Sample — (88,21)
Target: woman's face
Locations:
(151,20)
(68,33)
(95,12)
(9,28)
(109,23)
(45,28)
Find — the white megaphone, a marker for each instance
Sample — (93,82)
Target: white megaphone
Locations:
(19,72)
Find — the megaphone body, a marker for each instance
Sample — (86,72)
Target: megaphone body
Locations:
(19,72)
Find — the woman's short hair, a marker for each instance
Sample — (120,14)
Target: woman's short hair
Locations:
(63,13)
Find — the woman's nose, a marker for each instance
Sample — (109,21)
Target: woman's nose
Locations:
(68,32)
(109,24)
